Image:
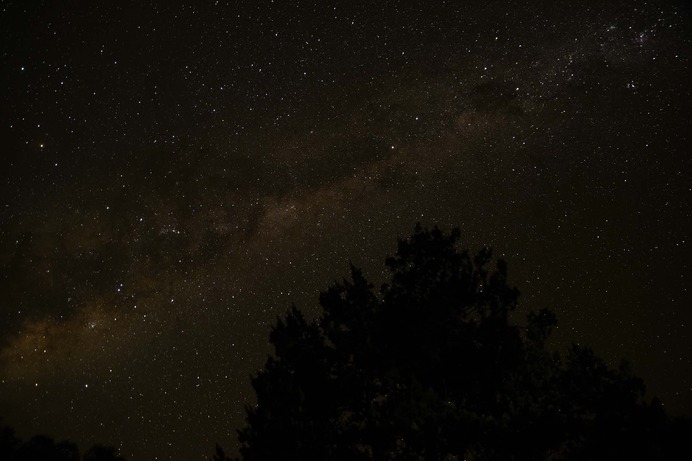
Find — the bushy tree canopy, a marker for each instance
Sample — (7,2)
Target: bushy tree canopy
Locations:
(431,367)
(44,448)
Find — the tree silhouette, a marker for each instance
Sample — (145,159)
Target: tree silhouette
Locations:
(219,454)
(44,448)
(101,453)
(8,442)
(432,368)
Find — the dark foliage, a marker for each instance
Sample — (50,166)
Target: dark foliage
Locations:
(43,448)
(219,455)
(101,453)
(432,368)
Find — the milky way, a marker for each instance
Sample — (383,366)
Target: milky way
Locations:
(174,177)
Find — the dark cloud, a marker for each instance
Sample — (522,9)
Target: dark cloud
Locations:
(495,96)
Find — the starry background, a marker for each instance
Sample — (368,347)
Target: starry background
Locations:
(173,176)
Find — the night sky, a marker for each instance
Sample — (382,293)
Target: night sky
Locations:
(174,176)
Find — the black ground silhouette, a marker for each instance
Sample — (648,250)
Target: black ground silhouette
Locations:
(44,448)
